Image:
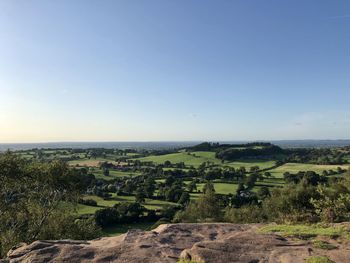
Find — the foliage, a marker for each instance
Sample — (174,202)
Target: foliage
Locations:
(205,209)
(208,187)
(291,204)
(119,213)
(184,199)
(307,178)
(245,214)
(332,206)
(107,216)
(235,153)
(34,202)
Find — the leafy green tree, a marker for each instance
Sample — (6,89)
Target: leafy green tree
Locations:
(208,187)
(184,199)
(251,180)
(150,187)
(129,212)
(192,186)
(167,163)
(140,195)
(106,216)
(240,188)
(174,193)
(332,206)
(32,195)
(106,172)
(170,180)
(291,203)
(205,209)
(264,192)
(267,175)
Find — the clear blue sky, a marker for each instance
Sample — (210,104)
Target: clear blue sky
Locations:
(174,70)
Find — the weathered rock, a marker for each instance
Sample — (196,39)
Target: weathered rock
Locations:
(200,242)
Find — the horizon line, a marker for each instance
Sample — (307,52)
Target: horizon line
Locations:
(174,141)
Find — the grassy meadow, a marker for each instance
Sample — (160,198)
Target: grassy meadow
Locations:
(195,159)
(101,203)
(296,167)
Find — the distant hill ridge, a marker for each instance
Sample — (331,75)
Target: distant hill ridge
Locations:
(231,152)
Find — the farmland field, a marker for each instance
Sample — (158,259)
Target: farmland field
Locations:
(296,167)
(149,203)
(113,174)
(221,188)
(89,162)
(247,163)
(195,159)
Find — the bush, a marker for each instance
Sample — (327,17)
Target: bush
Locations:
(245,214)
(291,204)
(205,209)
(31,198)
(106,217)
(332,206)
(129,212)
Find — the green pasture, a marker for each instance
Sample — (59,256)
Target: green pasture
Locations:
(113,174)
(88,162)
(221,188)
(297,167)
(149,203)
(195,159)
(247,163)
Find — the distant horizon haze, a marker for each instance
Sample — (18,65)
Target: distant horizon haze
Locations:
(167,144)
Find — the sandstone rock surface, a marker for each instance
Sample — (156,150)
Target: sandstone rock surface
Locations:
(216,243)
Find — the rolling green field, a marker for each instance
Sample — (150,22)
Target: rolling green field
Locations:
(149,203)
(195,159)
(112,174)
(89,162)
(247,163)
(296,167)
(221,188)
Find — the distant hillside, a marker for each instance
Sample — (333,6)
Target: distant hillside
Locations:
(231,152)
(215,147)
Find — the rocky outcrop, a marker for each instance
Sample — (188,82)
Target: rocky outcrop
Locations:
(199,242)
